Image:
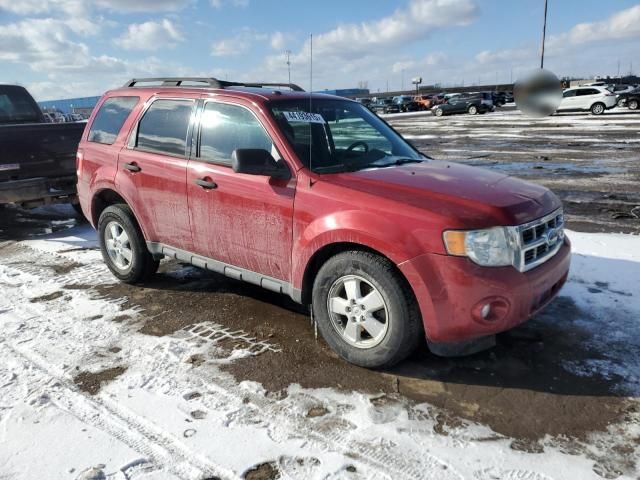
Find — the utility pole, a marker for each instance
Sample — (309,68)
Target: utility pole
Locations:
(402,84)
(288,54)
(544,33)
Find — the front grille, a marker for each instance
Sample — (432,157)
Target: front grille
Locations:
(540,240)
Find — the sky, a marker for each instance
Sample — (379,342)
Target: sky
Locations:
(72,48)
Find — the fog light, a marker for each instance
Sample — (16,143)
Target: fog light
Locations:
(490,310)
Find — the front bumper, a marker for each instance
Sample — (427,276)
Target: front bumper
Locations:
(40,190)
(452,290)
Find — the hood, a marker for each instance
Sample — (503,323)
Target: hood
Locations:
(472,197)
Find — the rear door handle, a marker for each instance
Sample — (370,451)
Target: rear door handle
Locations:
(132,167)
(206,184)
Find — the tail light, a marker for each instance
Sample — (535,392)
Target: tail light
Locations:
(79,159)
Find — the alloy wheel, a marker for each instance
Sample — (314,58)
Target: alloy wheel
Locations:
(118,246)
(358,311)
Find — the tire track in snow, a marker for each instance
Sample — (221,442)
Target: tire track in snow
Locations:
(279,419)
(161,448)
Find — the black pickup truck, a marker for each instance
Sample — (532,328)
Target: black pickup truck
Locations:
(37,159)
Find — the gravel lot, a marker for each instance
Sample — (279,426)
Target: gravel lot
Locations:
(552,389)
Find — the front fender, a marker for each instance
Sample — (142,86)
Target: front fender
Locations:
(353,226)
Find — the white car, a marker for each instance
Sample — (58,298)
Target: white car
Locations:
(593,99)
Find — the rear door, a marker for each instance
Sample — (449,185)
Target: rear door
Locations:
(585,97)
(152,170)
(242,220)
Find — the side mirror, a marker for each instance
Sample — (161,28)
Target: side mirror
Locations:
(256,161)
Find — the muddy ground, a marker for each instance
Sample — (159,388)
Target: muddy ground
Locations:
(592,163)
(518,388)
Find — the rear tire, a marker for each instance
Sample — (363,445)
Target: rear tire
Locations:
(472,110)
(438,112)
(123,246)
(632,104)
(386,330)
(598,108)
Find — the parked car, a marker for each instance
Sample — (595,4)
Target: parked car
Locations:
(437,98)
(385,244)
(365,101)
(385,105)
(594,99)
(407,103)
(464,103)
(498,98)
(48,118)
(424,101)
(508,97)
(37,156)
(630,99)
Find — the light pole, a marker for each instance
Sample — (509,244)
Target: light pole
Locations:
(544,33)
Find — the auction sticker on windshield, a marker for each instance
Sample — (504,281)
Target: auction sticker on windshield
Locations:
(303,117)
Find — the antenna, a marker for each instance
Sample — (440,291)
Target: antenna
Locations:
(310,96)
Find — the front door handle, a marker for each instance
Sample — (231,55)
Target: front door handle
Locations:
(206,183)
(132,167)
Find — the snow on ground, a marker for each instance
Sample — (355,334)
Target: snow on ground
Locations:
(164,416)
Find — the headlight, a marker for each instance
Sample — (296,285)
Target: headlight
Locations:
(492,247)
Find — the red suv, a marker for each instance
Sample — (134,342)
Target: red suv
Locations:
(316,197)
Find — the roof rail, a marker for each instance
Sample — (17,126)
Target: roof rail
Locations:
(208,82)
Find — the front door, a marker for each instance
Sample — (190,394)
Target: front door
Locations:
(152,172)
(243,220)
(569,101)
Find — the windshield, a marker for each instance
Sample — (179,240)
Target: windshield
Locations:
(341,136)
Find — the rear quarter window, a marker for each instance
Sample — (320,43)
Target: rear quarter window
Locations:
(110,118)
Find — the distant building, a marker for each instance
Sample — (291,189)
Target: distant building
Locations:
(82,105)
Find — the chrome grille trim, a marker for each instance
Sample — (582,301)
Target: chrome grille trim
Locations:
(539,240)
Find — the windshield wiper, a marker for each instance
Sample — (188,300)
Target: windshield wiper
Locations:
(399,161)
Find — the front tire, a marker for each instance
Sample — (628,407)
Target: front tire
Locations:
(439,112)
(365,310)
(598,108)
(472,110)
(632,104)
(123,246)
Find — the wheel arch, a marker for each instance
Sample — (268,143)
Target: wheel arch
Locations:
(105,198)
(323,254)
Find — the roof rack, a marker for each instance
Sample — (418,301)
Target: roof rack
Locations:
(207,82)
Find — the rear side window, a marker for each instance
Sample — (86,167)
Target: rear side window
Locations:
(569,93)
(164,127)
(228,127)
(587,91)
(16,105)
(110,118)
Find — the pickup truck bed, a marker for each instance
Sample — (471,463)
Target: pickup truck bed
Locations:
(37,160)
